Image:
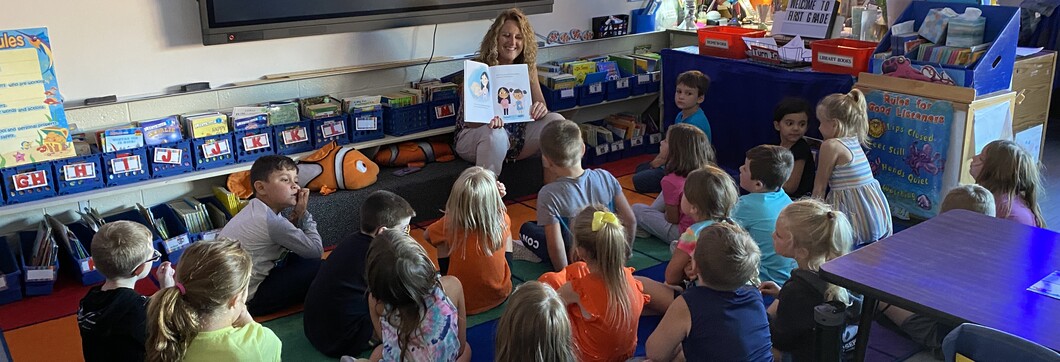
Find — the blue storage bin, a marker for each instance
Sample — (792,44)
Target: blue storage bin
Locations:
(170,159)
(254,143)
(30,182)
(637,146)
(400,121)
(126,166)
(329,129)
(37,281)
(293,138)
(589,94)
(642,23)
(595,156)
(179,240)
(640,84)
(653,143)
(655,83)
(78,174)
(619,150)
(443,112)
(619,88)
(212,151)
(562,99)
(10,275)
(135,216)
(366,125)
(82,268)
(993,71)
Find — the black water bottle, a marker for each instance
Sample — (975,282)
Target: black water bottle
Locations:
(828,332)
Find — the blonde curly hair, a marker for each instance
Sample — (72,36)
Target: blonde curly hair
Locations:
(488,49)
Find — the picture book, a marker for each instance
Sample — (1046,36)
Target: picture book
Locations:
(498,91)
(205,124)
(282,113)
(118,139)
(159,131)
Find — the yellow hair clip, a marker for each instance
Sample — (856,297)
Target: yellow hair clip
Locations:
(601,217)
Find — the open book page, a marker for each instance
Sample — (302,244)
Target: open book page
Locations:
(499,91)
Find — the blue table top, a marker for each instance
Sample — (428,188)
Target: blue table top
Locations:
(963,267)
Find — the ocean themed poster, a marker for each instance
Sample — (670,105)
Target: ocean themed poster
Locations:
(32,121)
(910,136)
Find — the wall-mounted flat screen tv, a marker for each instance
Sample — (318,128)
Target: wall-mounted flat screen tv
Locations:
(230,21)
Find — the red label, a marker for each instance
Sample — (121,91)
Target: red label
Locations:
(170,156)
(30,180)
(256,142)
(216,149)
(126,164)
(294,135)
(79,171)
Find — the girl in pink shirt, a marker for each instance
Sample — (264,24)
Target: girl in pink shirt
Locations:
(1012,176)
(689,149)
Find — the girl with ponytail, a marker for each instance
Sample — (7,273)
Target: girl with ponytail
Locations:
(812,233)
(843,170)
(204,316)
(604,301)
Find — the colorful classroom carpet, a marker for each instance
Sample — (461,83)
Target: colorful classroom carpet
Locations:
(36,326)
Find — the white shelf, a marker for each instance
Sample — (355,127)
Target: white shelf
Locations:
(606,102)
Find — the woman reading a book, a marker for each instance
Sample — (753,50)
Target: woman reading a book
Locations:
(510,40)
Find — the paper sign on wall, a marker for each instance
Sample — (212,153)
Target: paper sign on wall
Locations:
(1031,141)
(808,18)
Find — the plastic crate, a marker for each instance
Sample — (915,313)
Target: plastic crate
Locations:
(619,88)
(595,156)
(212,151)
(254,143)
(10,275)
(726,41)
(560,99)
(179,240)
(993,71)
(641,83)
(366,125)
(82,268)
(293,138)
(637,146)
(328,129)
(652,143)
(126,166)
(842,56)
(28,182)
(78,174)
(170,159)
(589,94)
(655,83)
(443,112)
(400,121)
(38,281)
(619,150)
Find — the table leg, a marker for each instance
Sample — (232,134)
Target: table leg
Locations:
(868,313)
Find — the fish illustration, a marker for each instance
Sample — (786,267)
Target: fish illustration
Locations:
(37,42)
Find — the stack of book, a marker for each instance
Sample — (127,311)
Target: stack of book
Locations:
(320,107)
(247,118)
(436,89)
(206,124)
(637,63)
(64,236)
(404,98)
(625,126)
(163,130)
(196,215)
(282,112)
(929,52)
(121,138)
(556,81)
(361,103)
(594,135)
(44,247)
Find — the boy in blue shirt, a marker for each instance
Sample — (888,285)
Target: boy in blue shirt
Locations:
(763,174)
(690,92)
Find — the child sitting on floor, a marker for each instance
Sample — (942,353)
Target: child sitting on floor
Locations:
(418,315)
(763,173)
(689,93)
(336,315)
(474,240)
(710,195)
(204,316)
(812,233)
(970,197)
(286,250)
(603,300)
(1009,172)
(721,317)
(534,327)
(790,119)
(112,317)
(663,218)
(573,189)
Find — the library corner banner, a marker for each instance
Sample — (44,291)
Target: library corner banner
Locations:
(32,121)
(910,136)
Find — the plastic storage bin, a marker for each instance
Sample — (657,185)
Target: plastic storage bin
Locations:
(179,238)
(10,275)
(329,129)
(293,138)
(253,143)
(82,268)
(400,121)
(642,23)
(443,112)
(38,281)
(589,94)
(637,146)
(28,182)
(78,174)
(212,151)
(366,125)
(726,41)
(597,155)
(170,159)
(619,88)
(842,56)
(126,166)
(993,71)
(560,99)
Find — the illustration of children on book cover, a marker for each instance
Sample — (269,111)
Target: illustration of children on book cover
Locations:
(498,91)
(32,121)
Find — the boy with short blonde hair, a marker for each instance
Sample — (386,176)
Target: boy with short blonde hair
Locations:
(970,197)
(112,317)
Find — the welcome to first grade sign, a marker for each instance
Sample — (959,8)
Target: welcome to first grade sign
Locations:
(808,18)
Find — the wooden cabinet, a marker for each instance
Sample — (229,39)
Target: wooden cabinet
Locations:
(1032,77)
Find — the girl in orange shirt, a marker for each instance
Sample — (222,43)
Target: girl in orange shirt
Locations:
(474,241)
(603,300)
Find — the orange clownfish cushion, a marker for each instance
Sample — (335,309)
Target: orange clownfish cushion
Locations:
(414,153)
(330,168)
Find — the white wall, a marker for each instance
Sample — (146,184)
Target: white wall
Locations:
(137,47)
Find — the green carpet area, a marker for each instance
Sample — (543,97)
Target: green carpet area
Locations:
(655,248)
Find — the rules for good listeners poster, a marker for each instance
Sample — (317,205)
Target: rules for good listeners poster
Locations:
(910,136)
(32,121)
